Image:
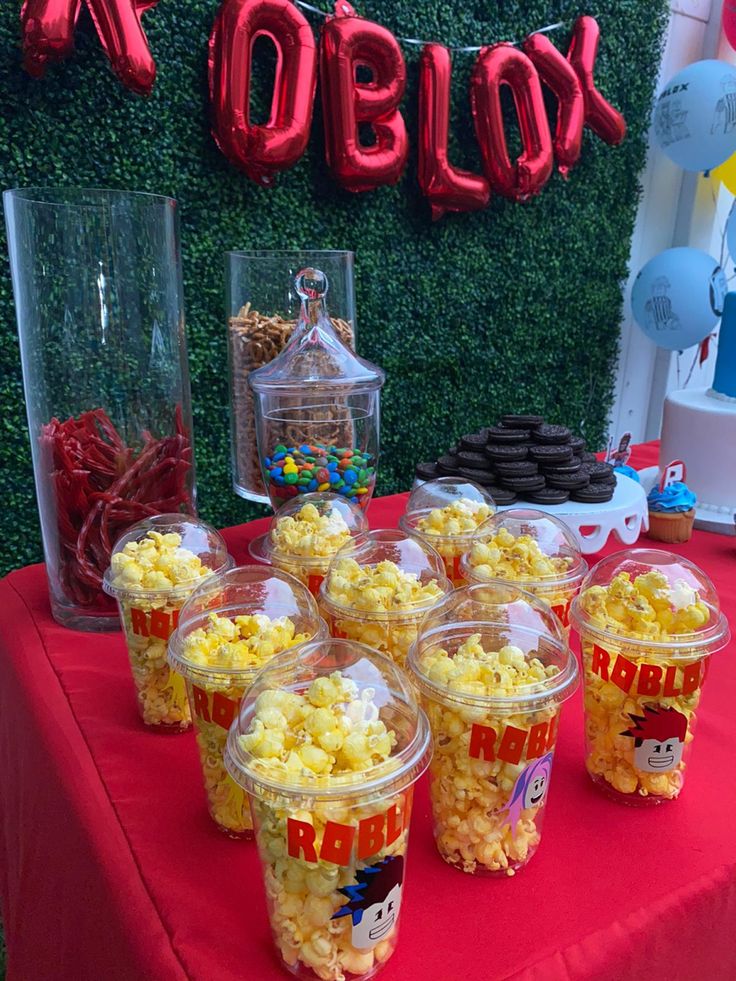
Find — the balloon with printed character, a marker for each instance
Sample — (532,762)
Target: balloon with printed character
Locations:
(678,297)
(695,115)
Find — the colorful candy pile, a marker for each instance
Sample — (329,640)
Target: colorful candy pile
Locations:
(302,469)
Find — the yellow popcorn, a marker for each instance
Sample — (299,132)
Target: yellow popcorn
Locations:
(553,573)
(458,518)
(505,556)
(333,868)
(379,605)
(218,660)
(155,562)
(447,530)
(492,763)
(310,533)
(641,697)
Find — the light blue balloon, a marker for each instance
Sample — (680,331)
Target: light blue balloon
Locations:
(678,297)
(695,115)
(731,232)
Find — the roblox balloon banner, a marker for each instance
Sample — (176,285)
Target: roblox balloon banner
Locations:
(362,75)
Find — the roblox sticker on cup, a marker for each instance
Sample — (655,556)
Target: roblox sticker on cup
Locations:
(529,790)
(374,902)
(659,738)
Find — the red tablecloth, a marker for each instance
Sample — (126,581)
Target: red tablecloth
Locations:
(112,869)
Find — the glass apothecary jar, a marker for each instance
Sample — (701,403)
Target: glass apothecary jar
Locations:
(317,409)
(98,297)
(262,309)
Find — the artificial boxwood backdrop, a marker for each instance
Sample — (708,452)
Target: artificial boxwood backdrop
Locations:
(515,308)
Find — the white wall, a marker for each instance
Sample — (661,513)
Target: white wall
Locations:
(677,208)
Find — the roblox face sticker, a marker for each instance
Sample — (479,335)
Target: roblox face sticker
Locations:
(659,739)
(374,902)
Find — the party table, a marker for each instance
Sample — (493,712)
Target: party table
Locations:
(110,867)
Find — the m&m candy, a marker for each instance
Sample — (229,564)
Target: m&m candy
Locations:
(308,467)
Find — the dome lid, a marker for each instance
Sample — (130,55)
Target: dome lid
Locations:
(315,358)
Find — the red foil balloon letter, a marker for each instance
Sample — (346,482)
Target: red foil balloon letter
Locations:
(262,150)
(600,116)
(349,43)
(48,35)
(500,65)
(557,72)
(447,187)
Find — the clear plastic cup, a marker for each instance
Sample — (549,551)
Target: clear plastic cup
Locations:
(532,549)
(332,829)
(446,513)
(493,668)
(149,615)
(358,599)
(307,531)
(217,676)
(648,622)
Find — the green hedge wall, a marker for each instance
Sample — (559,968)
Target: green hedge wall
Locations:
(513,308)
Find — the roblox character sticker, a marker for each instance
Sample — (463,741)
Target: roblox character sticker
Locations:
(659,738)
(529,790)
(724,116)
(670,122)
(658,310)
(374,902)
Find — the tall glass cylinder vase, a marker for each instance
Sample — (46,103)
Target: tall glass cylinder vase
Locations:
(262,307)
(98,297)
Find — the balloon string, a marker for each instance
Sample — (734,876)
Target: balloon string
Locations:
(420,43)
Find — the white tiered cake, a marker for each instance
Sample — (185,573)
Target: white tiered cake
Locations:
(699,428)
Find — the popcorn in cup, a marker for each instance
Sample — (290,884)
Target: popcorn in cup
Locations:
(307,531)
(648,622)
(532,549)
(493,667)
(229,628)
(446,513)
(154,568)
(379,592)
(329,743)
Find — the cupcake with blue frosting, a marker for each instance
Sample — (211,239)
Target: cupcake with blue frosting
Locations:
(671,512)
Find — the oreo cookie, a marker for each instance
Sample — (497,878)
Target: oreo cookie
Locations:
(484,477)
(552,453)
(426,471)
(524,485)
(599,471)
(470,458)
(578,445)
(473,441)
(499,434)
(556,469)
(501,495)
(568,481)
(521,422)
(594,493)
(516,468)
(548,495)
(448,465)
(552,434)
(505,452)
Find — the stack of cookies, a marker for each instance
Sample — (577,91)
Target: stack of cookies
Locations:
(523,458)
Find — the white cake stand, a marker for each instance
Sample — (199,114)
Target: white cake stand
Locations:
(721,522)
(626,515)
